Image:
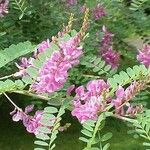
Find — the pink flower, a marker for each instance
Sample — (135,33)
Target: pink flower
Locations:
(123,96)
(88,103)
(133,110)
(106,40)
(24,64)
(83,8)
(98,12)
(30,122)
(3,7)
(42,47)
(54,72)
(144,55)
(111,57)
(106,50)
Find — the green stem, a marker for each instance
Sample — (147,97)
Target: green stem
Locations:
(100,144)
(6,77)
(124,118)
(27,93)
(12,102)
(98,123)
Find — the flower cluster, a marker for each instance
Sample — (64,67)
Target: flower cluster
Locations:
(123,96)
(106,50)
(30,122)
(3,7)
(87,104)
(54,71)
(144,55)
(98,12)
(111,57)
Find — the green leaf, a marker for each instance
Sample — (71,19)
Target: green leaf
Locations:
(61,112)
(84,139)
(53,136)
(106,146)
(130,72)
(44,130)
(106,137)
(48,116)
(90,123)
(15,51)
(42,143)
(53,146)
(146,144)
(33,72)
(42,136)
(107,68)
(39,149)
(90,4)
(95,148)
(46,122)
(73,33)
(37,63)
(27,79)
(89,128)
(87,133)
(50,110)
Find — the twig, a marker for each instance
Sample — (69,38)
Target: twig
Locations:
(12,102)
(32,95)
(5,77)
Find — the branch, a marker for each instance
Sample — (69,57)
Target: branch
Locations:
(27,93)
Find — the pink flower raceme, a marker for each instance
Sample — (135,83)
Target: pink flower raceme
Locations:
(106,40)
(3,7)
(88,103)
(111,57)
(83,9)
(144,55)
(30,122)
(54,72)
(123,96)
(133,110)
(106,50)
(98,12)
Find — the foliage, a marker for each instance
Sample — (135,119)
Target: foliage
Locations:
(46,135)
(34,21)
(15,51)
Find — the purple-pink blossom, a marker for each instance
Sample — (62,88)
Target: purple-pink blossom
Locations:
(54,72)
(98,12)
(42,47)
(30,122)
(123,96)
(106,40)
(3,7)
(110,56)
(144,55)
(89,102)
